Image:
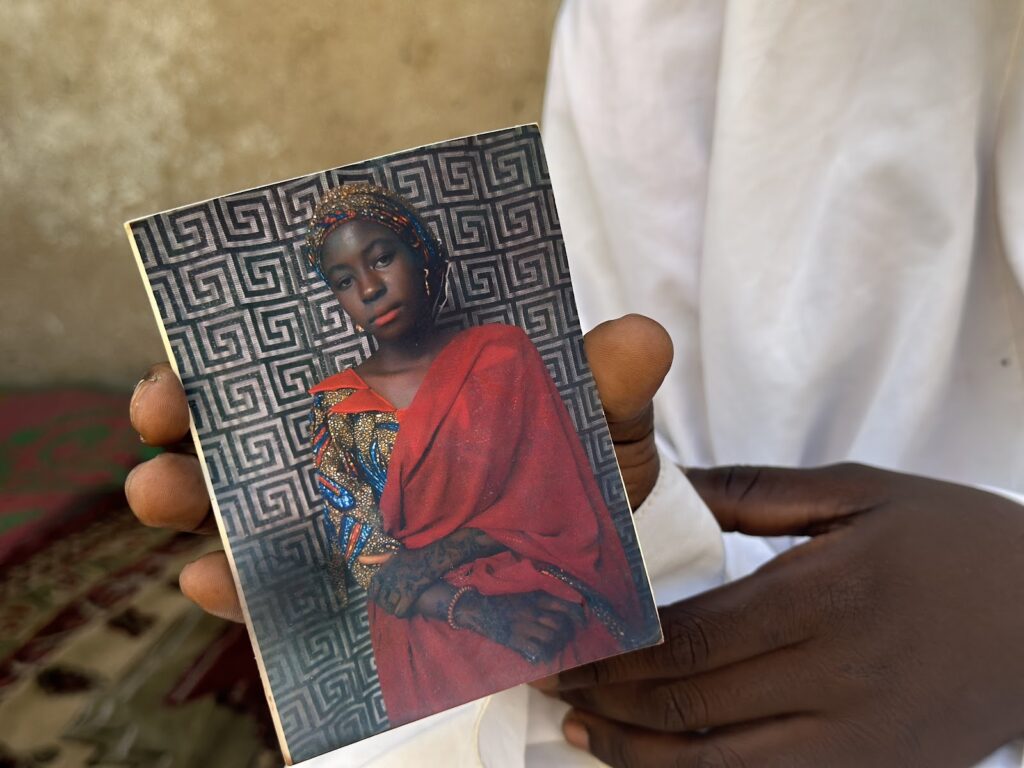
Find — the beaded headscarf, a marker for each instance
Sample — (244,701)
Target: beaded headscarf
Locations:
(350,202)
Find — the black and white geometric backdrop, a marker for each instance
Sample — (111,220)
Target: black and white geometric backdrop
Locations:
(252,328)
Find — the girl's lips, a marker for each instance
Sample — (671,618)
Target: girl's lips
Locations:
(386,318)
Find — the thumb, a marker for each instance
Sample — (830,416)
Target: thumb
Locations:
(774,501)
(629,358)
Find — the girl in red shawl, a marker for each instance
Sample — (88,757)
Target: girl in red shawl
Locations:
(456,490)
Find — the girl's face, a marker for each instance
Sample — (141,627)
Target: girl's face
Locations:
(376,278)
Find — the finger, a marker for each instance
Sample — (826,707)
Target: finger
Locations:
(158,408)
(629,358)
(207,582)
(784,682)
(772,501)
(168,491)
(571,610)
(526,647)
(537,632)
(557,622)
(563,637)
(552,621)
(624,746)
(787,742)
(558,627)
(762,612)
(375,559)
(405,604)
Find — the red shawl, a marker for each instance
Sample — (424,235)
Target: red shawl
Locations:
(487,443)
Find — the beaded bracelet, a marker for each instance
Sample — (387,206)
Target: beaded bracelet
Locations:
(453,602)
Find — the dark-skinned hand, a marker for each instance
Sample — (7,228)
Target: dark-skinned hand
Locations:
(629,358)
(401,578)
(535,625)
(893,637)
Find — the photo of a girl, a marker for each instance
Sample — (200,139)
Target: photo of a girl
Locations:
(455,489)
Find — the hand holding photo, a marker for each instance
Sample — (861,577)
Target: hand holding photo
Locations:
(400,433)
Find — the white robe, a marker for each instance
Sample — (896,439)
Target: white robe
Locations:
(824,205)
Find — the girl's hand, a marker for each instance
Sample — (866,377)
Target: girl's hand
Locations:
(399,581)
(535,625)
(403,576)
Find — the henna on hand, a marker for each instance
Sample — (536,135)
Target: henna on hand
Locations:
(535,625)
(402,578)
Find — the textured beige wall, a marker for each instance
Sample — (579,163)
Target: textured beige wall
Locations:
(113,110)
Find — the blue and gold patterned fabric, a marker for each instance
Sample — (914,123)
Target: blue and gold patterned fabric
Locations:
(353,432)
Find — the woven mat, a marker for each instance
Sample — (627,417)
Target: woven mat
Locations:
(102,660)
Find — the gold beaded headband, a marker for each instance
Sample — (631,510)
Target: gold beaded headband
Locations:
(371,203)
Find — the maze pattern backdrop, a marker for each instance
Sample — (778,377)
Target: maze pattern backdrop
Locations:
(252,328)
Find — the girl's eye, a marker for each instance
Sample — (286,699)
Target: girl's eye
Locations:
(384,260)
(343,283)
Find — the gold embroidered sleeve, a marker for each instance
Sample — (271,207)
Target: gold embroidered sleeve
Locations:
(349,478)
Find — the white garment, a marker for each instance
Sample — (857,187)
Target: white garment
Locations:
(824,205)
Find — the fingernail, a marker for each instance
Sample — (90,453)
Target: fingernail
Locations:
(181,578)
(128,478)
(137,393)
(149,377)
(576,733)
(549,683)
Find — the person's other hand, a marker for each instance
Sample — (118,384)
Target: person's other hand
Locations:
(535,625)
(168,491)
(400,580)
(892,637)
(629,358)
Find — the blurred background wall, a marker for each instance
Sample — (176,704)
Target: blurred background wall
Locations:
(114,110)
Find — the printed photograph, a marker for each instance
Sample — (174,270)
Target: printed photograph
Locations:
(409,461)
